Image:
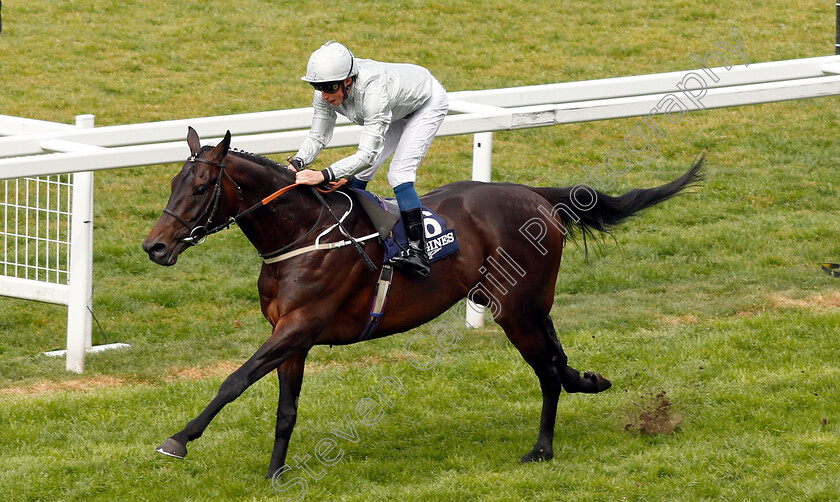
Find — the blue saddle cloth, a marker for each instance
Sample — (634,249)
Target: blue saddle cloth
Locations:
(440,241)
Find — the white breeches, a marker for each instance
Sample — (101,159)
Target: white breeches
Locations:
(408,139)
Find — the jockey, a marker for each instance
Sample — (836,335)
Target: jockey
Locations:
(401,108)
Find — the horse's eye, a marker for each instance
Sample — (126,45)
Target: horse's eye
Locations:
(200,190)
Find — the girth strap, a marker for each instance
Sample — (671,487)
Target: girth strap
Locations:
(380,298)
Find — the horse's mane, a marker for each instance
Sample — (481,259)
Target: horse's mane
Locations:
(263,161)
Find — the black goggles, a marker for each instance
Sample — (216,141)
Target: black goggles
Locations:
(328,87)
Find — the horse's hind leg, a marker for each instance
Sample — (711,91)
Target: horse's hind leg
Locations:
(590,383)
(536,350)
(539,346)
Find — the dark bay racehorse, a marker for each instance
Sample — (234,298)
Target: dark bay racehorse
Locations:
(513,232)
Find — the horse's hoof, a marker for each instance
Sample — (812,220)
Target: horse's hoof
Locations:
(537,455)
(172,448)
(601,382)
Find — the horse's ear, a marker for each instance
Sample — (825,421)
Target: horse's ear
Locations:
(192,140)
(222,148)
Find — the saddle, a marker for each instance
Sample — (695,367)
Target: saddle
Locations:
(384,214)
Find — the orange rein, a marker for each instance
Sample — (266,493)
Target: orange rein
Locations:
(335,185)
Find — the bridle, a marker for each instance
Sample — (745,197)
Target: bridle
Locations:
(199,233)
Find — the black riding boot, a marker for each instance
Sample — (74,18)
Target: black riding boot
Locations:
(414,259)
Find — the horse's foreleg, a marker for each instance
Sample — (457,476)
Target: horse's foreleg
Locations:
(290,374)
(272,353)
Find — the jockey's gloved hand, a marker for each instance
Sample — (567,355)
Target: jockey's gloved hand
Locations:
(296,163)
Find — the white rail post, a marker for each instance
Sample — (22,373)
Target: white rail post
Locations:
(79,314)
(482,167)
(482,156)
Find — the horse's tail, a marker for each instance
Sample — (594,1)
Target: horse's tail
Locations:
(587,209)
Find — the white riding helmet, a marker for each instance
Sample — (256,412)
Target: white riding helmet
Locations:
(332,62)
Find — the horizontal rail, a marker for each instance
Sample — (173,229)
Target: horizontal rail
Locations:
(164,131)
(656,104)
(463,101)
(471,112)
(589,90)
(17,125)
(500,119)
(29,289)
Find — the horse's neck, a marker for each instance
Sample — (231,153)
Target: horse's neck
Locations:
(281,221)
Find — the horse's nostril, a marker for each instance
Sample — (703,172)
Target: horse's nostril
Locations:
(159,252)
(158,249)
(154,248)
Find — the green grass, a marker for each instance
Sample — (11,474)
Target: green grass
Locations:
(715,298)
